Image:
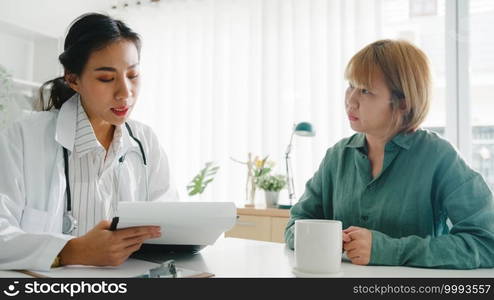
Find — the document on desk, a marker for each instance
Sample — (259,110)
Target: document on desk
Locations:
(130,268)
(182,223)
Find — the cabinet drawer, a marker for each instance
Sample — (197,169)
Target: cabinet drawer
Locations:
(278,229)
(251,227)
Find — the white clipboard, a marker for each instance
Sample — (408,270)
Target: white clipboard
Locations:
(182,223)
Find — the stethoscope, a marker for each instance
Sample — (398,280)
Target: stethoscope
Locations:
(69,221)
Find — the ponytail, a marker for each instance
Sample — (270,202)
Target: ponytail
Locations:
(60,92)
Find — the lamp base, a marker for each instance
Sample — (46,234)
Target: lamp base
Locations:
(285,206)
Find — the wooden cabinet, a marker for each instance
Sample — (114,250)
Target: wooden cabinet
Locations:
(278,225)
(263,224)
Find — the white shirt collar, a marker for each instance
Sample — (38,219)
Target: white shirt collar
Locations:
(66,127)
(85,140)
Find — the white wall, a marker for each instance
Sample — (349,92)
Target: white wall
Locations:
(32,32)
(51,17)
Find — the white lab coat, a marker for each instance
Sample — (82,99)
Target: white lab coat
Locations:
(32,183)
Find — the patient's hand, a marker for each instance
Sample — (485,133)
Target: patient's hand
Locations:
(102,247)
(357,242)
(345,239)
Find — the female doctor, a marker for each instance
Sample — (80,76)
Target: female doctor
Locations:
(64,169)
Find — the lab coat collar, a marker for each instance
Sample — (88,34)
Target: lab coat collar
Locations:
(66,123)
(127,142)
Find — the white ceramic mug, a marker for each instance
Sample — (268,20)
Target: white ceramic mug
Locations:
(318,247)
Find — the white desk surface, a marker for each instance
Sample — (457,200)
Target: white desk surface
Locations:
(232,257)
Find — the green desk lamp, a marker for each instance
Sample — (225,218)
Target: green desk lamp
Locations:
(301,129)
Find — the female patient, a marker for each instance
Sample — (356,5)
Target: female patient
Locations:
(63,170)
(393,185)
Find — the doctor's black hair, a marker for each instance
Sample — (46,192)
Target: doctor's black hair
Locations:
(88,33)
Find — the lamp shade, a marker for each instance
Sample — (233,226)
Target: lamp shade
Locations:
(304,129)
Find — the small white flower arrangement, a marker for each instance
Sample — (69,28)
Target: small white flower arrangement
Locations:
(271,183)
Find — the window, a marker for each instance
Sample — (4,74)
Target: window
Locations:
(481,58)
(424,23)
(421,22)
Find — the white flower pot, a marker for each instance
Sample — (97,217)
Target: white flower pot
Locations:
(272,199)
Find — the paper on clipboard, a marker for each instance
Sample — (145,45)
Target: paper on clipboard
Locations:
(130,268)
(182,223)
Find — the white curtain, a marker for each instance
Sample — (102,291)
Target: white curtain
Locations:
(221,78)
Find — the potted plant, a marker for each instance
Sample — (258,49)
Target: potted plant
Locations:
(256,168)
(272,185)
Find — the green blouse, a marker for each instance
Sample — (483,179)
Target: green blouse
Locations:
(426,208)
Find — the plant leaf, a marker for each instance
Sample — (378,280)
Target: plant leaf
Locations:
(206,175)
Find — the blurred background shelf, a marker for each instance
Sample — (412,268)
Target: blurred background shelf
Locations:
(31,57)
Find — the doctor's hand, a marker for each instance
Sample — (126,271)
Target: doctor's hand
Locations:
(102,247)
(357,242)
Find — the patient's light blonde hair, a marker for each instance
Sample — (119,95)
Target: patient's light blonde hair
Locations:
(407,74)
